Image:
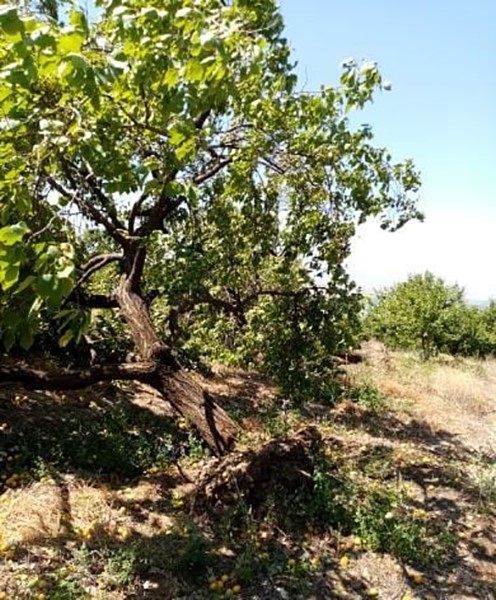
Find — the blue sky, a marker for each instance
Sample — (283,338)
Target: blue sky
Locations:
(440,56)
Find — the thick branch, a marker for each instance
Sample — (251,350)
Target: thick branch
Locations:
(201,118)
(74,380)
(135,211)
(86,300)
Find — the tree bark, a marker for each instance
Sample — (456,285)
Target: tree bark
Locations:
(36,379)
(176,384)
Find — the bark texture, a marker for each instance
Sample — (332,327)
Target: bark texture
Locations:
(174,382)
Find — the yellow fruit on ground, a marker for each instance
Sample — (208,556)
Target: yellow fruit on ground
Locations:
(236,589)
(373,592)
(344,561)
(3,595)
(124,533)
(224,578)
(418,578)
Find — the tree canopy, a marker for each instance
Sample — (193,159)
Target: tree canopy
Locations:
(166,156)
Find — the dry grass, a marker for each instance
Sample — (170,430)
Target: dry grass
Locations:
(70,507)
(458,395)
(92,526)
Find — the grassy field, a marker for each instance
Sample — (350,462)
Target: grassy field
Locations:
(99,492)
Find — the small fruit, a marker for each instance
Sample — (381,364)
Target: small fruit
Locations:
(224,578)
(418,578)
(344,561)
(236,589)
(123,533)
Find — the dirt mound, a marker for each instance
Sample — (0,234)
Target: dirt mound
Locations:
(280,467)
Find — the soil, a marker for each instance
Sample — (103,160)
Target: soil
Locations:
(436,436)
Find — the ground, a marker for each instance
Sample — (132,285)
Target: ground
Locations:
(100,493)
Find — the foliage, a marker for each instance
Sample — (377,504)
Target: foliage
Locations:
(379,514)
(112,437)
(179,136)
(368,396)
(424,313)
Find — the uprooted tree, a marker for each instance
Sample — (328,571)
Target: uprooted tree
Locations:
(166,151)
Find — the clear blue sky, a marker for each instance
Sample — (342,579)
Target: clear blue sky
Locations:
(440,56)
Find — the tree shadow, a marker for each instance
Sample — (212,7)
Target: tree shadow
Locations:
(438,469)
(100,432)
(104,435)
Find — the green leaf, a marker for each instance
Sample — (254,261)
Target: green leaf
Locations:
(71,42)
(25,283)
(10,276)
(9,21)
(194,70)
(176,137)
(46,285)
(12,234)
(66,338)
(77,19)
(171,77)
(26,338)
(186,148)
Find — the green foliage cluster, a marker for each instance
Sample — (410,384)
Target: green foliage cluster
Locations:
(426,314)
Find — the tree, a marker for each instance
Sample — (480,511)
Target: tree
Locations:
(176,136)
(424,313)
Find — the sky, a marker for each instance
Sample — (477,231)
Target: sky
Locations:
(440,56)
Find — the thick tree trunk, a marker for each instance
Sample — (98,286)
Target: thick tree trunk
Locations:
(180,389)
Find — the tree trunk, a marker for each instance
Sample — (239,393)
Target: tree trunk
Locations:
(180,389)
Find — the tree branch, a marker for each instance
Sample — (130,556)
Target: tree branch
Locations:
(95,264)
(88,209)
(77,379)
(135,210)
(201,118)
(87,300)
(202,177)
(96,189)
